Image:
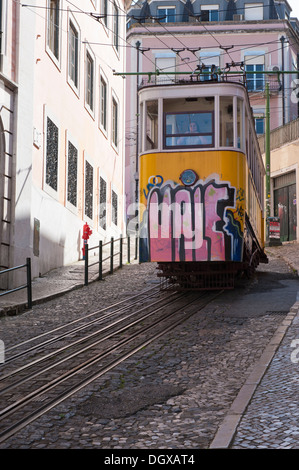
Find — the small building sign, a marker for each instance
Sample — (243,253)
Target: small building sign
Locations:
(274,230)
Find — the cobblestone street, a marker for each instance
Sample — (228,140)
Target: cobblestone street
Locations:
(178,391)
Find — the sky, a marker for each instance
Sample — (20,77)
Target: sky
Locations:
(295,7)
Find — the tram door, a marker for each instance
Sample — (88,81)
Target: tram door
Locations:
(285,205)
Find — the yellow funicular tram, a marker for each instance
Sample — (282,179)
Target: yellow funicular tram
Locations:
(201,182)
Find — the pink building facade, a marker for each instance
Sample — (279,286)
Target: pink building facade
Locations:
(203,35)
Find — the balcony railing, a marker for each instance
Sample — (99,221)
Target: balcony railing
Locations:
(282,135)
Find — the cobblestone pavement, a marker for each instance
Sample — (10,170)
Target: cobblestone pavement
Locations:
(272,418)
(178,392)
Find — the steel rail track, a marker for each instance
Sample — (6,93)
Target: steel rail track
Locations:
(82,340)
(74,388)
(57,338)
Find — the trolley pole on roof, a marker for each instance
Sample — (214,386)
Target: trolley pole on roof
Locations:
(267,154)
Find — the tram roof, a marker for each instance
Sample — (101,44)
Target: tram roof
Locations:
(175,86)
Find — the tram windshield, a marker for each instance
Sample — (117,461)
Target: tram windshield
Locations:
(188,129)
(189,123)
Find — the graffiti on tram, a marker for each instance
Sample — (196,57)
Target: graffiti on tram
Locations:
(199,223)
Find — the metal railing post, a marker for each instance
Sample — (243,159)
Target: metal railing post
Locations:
(120,251)
(86,266)
(129,254)
(111,255)
(136,246)
(100,260)
(29,283)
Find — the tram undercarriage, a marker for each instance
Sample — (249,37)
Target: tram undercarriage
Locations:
(213,275)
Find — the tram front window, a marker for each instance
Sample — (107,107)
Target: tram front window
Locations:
(189,129)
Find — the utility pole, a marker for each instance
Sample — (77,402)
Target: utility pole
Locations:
(267,154)
(283,39)
(138,44)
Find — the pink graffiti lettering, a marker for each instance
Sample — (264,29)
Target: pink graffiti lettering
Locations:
(187,224)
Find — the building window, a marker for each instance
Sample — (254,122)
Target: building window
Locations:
(73,54)
(115,27)
(114,122)
(72,174)
(103,204)
(166,14)
(114,207)
(88,190)
(210,63)
(53,27)
(209,13)
(254,11)
(260,125)
(165,64)
(103,103)
(89,81)
(255,81)
(104,11)
(52,155)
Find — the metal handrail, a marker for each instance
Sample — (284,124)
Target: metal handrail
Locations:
(27,286)
(111,257)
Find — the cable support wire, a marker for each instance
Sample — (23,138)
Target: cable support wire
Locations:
(79,10)
(242,49)
(95,15)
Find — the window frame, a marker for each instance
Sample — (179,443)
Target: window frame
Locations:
(114,192)
(104,179)
(75,86)
(104,11)
(89,58)
(69,204)
(103,79)
(170,10)
(250,7)
(254,78)
(55,56)
(88,160)
(114,122)
(261,119)
(115,27)
(210,9)
(172,67)
(47,187)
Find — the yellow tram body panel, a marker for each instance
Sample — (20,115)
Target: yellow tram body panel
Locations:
(229,165)
(212,228)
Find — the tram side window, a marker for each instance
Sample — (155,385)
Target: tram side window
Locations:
(240,131)
(226,121)
(151,125)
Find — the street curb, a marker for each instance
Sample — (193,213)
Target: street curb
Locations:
(18,308)
(227,430)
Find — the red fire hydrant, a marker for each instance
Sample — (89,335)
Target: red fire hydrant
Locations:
(86,234)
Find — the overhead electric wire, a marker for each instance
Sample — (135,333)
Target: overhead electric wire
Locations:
(96,17)
(196,15)
(244,8)
(128,44)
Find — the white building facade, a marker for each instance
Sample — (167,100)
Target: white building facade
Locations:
(66,150)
